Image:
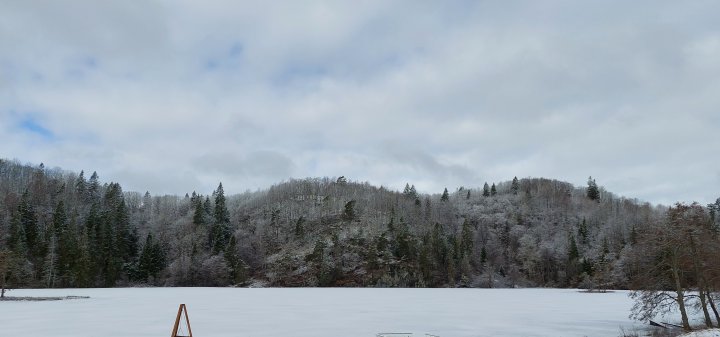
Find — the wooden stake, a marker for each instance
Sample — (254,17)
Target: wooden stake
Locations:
(181,309)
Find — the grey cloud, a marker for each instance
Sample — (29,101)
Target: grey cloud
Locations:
(441,95)
(260,163)
(426,163)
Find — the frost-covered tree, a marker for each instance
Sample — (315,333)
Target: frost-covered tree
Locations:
(593,193)
(445,195)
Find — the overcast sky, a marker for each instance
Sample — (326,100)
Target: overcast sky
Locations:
(175,96)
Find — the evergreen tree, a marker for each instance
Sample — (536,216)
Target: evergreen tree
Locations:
(349,211)
(468,195)
(28,222)
(81,186)
(486,190)
(68,253)
(515,187)
(573,260)
(147,202)
(236,266)
(221,225)
(93,188)
(583,231)
(300,228)
(633,235)
(60,219)
(466,239)
(493,190)
(152,259)
(573,252)
(593,193)
(413,192)
(428,209)
(445,196)
(59,243)
(199,213)
(17,241)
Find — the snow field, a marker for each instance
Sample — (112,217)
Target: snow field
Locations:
(319,312)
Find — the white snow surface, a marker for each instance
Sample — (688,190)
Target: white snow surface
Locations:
(703,333)
(319,312)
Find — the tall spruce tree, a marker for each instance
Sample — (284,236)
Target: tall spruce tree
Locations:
(221,224)
(445,196)
(593,193)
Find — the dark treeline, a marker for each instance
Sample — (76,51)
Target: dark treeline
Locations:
(62,229)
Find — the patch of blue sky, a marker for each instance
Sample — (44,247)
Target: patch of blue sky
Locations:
(12,72)
(228,59)
(235,50)
(31,125)
(292,75)
(89,61)
(80,67)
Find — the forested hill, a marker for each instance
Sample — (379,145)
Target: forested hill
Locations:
(63,229)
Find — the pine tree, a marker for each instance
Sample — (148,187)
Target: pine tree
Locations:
(573,252)
(236,266)
(93,189)
(486,190)
(593,193)
(60,219)
(413,192)
(81,186)
(68,254)
(17,240)
(349,211)
(445,196)
(466,238)
(493,190)
(583,231)
(152,259)
(59,242)
(633,235)
(300,228)
(515,187)
(221,225)
(199,213)
(28,222)
(147,202)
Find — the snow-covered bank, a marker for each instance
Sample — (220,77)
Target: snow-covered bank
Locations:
(318,312)
(703,333)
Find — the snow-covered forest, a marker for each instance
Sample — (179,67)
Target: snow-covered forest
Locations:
(65,229)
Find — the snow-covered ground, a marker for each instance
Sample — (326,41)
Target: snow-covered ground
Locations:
(704,333)
(319,312)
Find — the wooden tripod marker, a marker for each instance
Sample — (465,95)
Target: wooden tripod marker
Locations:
(181,309)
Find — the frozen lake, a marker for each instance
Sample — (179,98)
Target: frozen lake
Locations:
(319,312)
